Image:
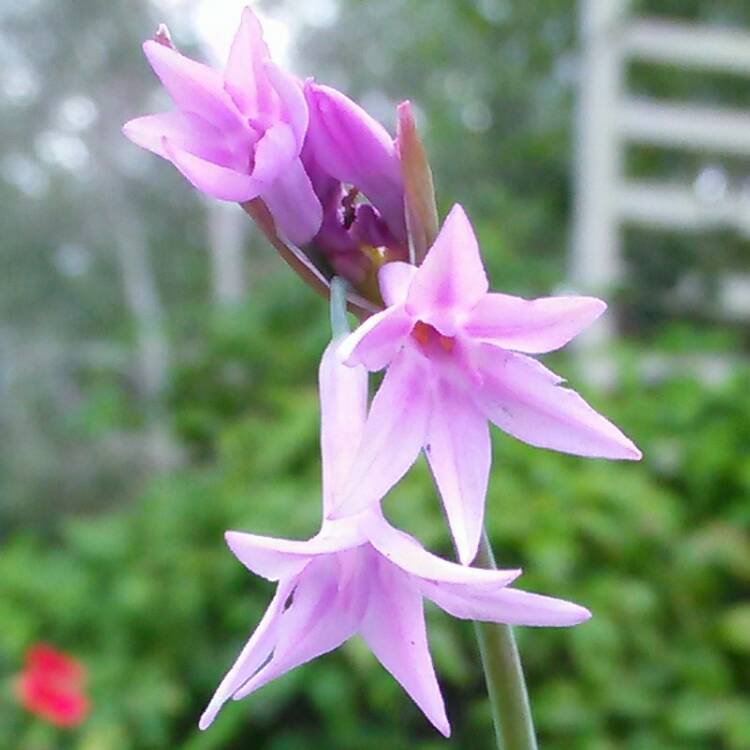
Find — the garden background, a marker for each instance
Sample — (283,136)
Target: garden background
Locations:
(157,387)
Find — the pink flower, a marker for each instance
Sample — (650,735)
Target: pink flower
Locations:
(235,136)
(359,575)
(52,686)
(456,358)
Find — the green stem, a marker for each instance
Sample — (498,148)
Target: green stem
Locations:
(503,673)
(339,321)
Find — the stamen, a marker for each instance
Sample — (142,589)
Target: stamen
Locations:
(446,343)
(348,203)
(425,334)
(422,332)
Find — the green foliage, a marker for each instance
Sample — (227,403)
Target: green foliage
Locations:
(157,607)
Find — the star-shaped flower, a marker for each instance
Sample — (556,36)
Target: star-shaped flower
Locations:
(361,576)
(456,358)
(239,135)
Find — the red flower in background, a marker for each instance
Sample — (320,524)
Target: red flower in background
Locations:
(52,686)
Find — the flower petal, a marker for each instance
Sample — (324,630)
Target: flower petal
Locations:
(274,558)
(534,326)
(524,399)
(459,452)
(409,555)
(252,656)
(394,279)
(378,340)
(394,434)
(322,615)
(451,280)
(292,201)
(343,411)
(355,148)
(273,152)
(509,606)
(245,77)
(394,629)
(194,87)
(185,131)
(292,98)
(214,180)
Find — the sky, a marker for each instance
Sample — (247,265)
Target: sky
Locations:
(215,22)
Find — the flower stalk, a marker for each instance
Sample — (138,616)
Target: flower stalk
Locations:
(299,263)
(260,214)
(339,322)
(503,674)
(501,662)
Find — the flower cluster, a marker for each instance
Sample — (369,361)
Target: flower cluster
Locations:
(347,201)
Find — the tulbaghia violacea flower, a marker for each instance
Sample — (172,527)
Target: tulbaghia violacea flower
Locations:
(456,358)
(235,136)
(359,575)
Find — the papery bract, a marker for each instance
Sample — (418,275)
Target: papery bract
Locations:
(456,358)
(239,135)
(359,575)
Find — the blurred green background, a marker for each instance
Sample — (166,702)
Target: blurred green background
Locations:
(145,409)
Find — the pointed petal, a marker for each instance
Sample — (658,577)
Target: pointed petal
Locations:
(459,453)
(343,411)
(353,147)
(194,87)
(378,340)
(185,131)
(451,280)
(394,279)
(524,399)
(323,615)
(293,102)
(245,77)
(274,558)
(292,201)
(394,434)
(409,555)
(394,629)
(214,180)
(534,326)
(252,656)
(509,606)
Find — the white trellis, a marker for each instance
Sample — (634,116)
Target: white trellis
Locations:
(609,119)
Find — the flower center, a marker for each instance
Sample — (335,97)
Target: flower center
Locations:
(428,337)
